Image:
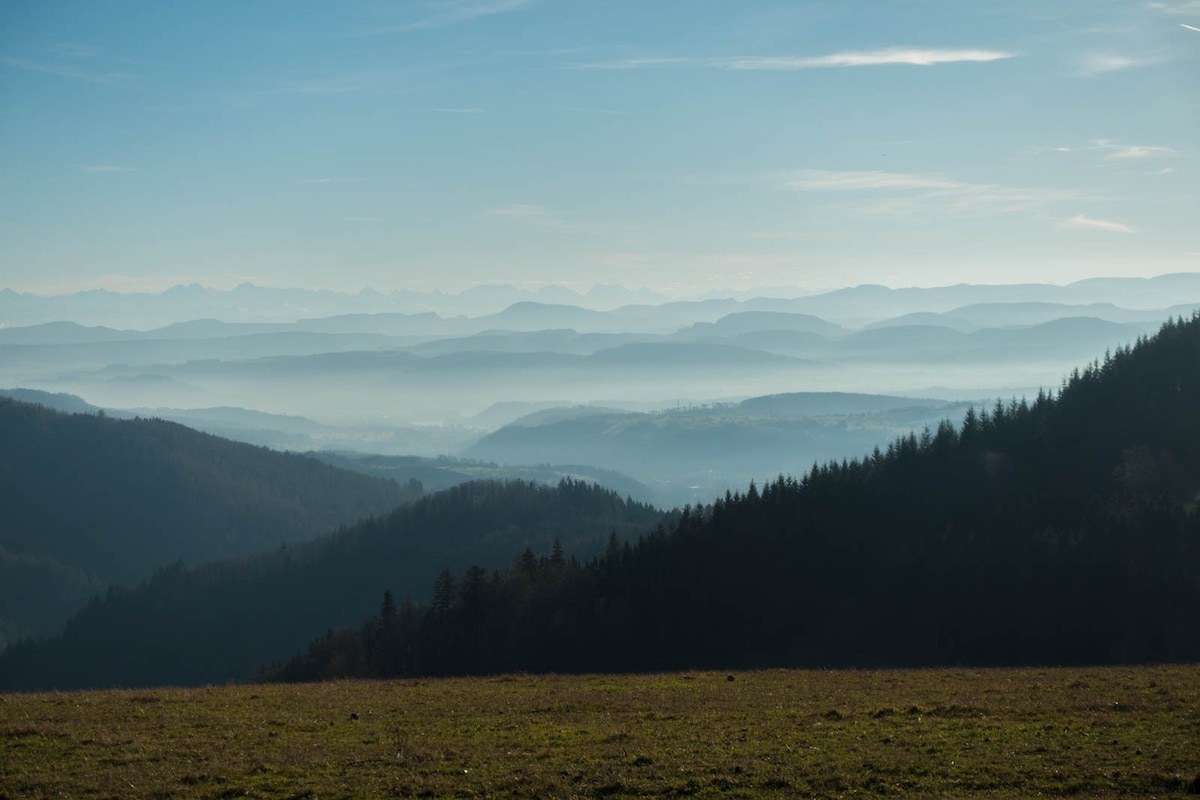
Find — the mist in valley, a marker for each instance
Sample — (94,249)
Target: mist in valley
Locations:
(661,394)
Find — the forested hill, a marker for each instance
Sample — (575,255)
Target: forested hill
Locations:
(89,500)
(222,621)
(1061,530)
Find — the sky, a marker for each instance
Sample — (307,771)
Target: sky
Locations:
(686,146)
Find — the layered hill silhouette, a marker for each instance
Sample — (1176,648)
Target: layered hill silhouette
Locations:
(689,455)
(90,501)
(1058,529)
(423,371)
(1061,530)
(440,473)
(222,621)
(255,305)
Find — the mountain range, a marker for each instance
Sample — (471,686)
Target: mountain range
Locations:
(854,306)
(1056,529)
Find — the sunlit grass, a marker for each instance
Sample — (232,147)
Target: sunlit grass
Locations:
(939,733)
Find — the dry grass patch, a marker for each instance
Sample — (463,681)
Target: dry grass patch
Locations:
(1115,732)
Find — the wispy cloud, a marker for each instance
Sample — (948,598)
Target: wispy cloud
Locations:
(64,70)
(904,194)
(104,169)
(444,13)
(1079,221)
(908,56)
(825,180)
(330,180)
(637,63)
(1178,7)
(460,110)
(338,84)
(607,112)
(74,50)
(547,52)
(1090,64)
(367,81)
(1118,152)
(777,235)
(1189,27)
(535,216)
(523,212)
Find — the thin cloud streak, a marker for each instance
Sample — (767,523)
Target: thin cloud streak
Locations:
(906,56)
(1116,152)
(64,71)
(1079,221)
(451,12)
(531,215)
(906,194)
(342,84)
(104,169)
(636,63)
(921,57)
(1181,7)
(824,180)
(1189,27)
(608,112)
(330,180)
(1101,63)
(524,211)
(74,50)
(536,216)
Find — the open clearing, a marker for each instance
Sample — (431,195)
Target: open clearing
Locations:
(1110,732)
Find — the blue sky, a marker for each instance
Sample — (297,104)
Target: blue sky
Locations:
(685,146)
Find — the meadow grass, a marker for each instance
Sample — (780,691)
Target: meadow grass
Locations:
(1104,732)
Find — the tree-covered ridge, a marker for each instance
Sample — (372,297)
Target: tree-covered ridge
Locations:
(89,500)
(1062,530)
(221,621)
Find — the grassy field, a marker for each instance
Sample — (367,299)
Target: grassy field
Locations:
(1121,732)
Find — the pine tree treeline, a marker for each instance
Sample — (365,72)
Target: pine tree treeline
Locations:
(219,621)
(1060,530)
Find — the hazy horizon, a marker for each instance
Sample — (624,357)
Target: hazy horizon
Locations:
(156,286)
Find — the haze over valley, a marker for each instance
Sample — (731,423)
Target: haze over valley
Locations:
(676,396)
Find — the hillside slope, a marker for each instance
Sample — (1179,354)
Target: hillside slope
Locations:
(222,621)
(89,501)
(1062,530)
(688,455)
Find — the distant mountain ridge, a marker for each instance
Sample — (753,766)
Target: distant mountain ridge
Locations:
(853,305)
